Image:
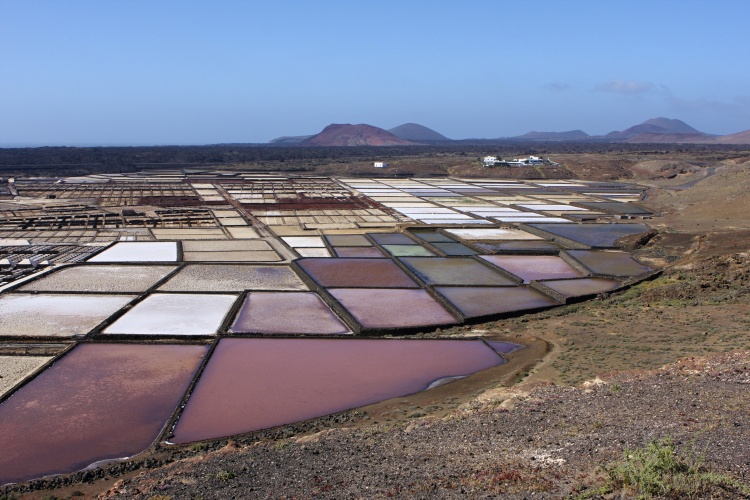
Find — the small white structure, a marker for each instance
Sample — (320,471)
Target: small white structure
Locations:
(489,161)
(380,164)
(535,160)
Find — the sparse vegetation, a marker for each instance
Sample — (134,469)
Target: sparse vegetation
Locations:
(659,471)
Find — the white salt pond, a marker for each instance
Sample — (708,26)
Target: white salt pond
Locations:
(492,234)
(56,315)
(174,314)
(139,251)
(91,278)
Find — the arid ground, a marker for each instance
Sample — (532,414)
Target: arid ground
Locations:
(665,362)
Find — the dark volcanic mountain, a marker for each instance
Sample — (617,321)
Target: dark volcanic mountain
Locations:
(416,132)
(571,135)
(355,135)
(289,139)
(657,126)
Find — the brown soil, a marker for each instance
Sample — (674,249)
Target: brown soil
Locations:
(668,357)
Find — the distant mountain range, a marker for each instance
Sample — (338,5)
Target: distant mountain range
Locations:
(655,130)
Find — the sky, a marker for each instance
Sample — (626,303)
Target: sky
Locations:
(156,72)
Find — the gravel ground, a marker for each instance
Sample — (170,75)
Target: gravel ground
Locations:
(550,441)
(14,368)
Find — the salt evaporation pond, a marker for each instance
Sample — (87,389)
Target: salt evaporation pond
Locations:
(299,379)
(407,250)
(138,251)
(609,263)
(288,313)
(594,235)
(533,267)
(382,308)
(581,287)
(233,278)
(56,315)
(104,278)
(492,234)
(336,272)
(474,302)
(455,271)
(174,314)
(358,252)
(100,401)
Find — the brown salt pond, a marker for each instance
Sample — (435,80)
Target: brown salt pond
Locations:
(99,402)
(581,287)
(252,384)
(533,267)
(391,239)
(104,278)
(337,272)
(454,249)
(348,240)
(456,271)
(474,302)
(279,312)
(358,252)
(609,263)
(379,308)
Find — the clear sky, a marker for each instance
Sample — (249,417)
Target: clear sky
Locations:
(110,72)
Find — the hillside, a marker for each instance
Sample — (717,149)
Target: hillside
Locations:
(354,135)
(655,126)
(289,139)
(738,138)
(571,135)
(417,133)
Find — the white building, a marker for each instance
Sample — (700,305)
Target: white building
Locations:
(380,164)
(489,161)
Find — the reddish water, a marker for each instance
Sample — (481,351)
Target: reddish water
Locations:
(334,272)
(483,301)
(279,312)
(252,384)
(377,308)
(101,401)
(534,267)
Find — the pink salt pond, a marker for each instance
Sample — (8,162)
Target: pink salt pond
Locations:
(99,402)
(581,287)
(534,267)
(377,309)
(474,302)
(280,312)
(252,384)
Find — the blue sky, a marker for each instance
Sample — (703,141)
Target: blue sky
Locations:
(112,72)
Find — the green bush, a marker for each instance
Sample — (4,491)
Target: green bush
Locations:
(658,471)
